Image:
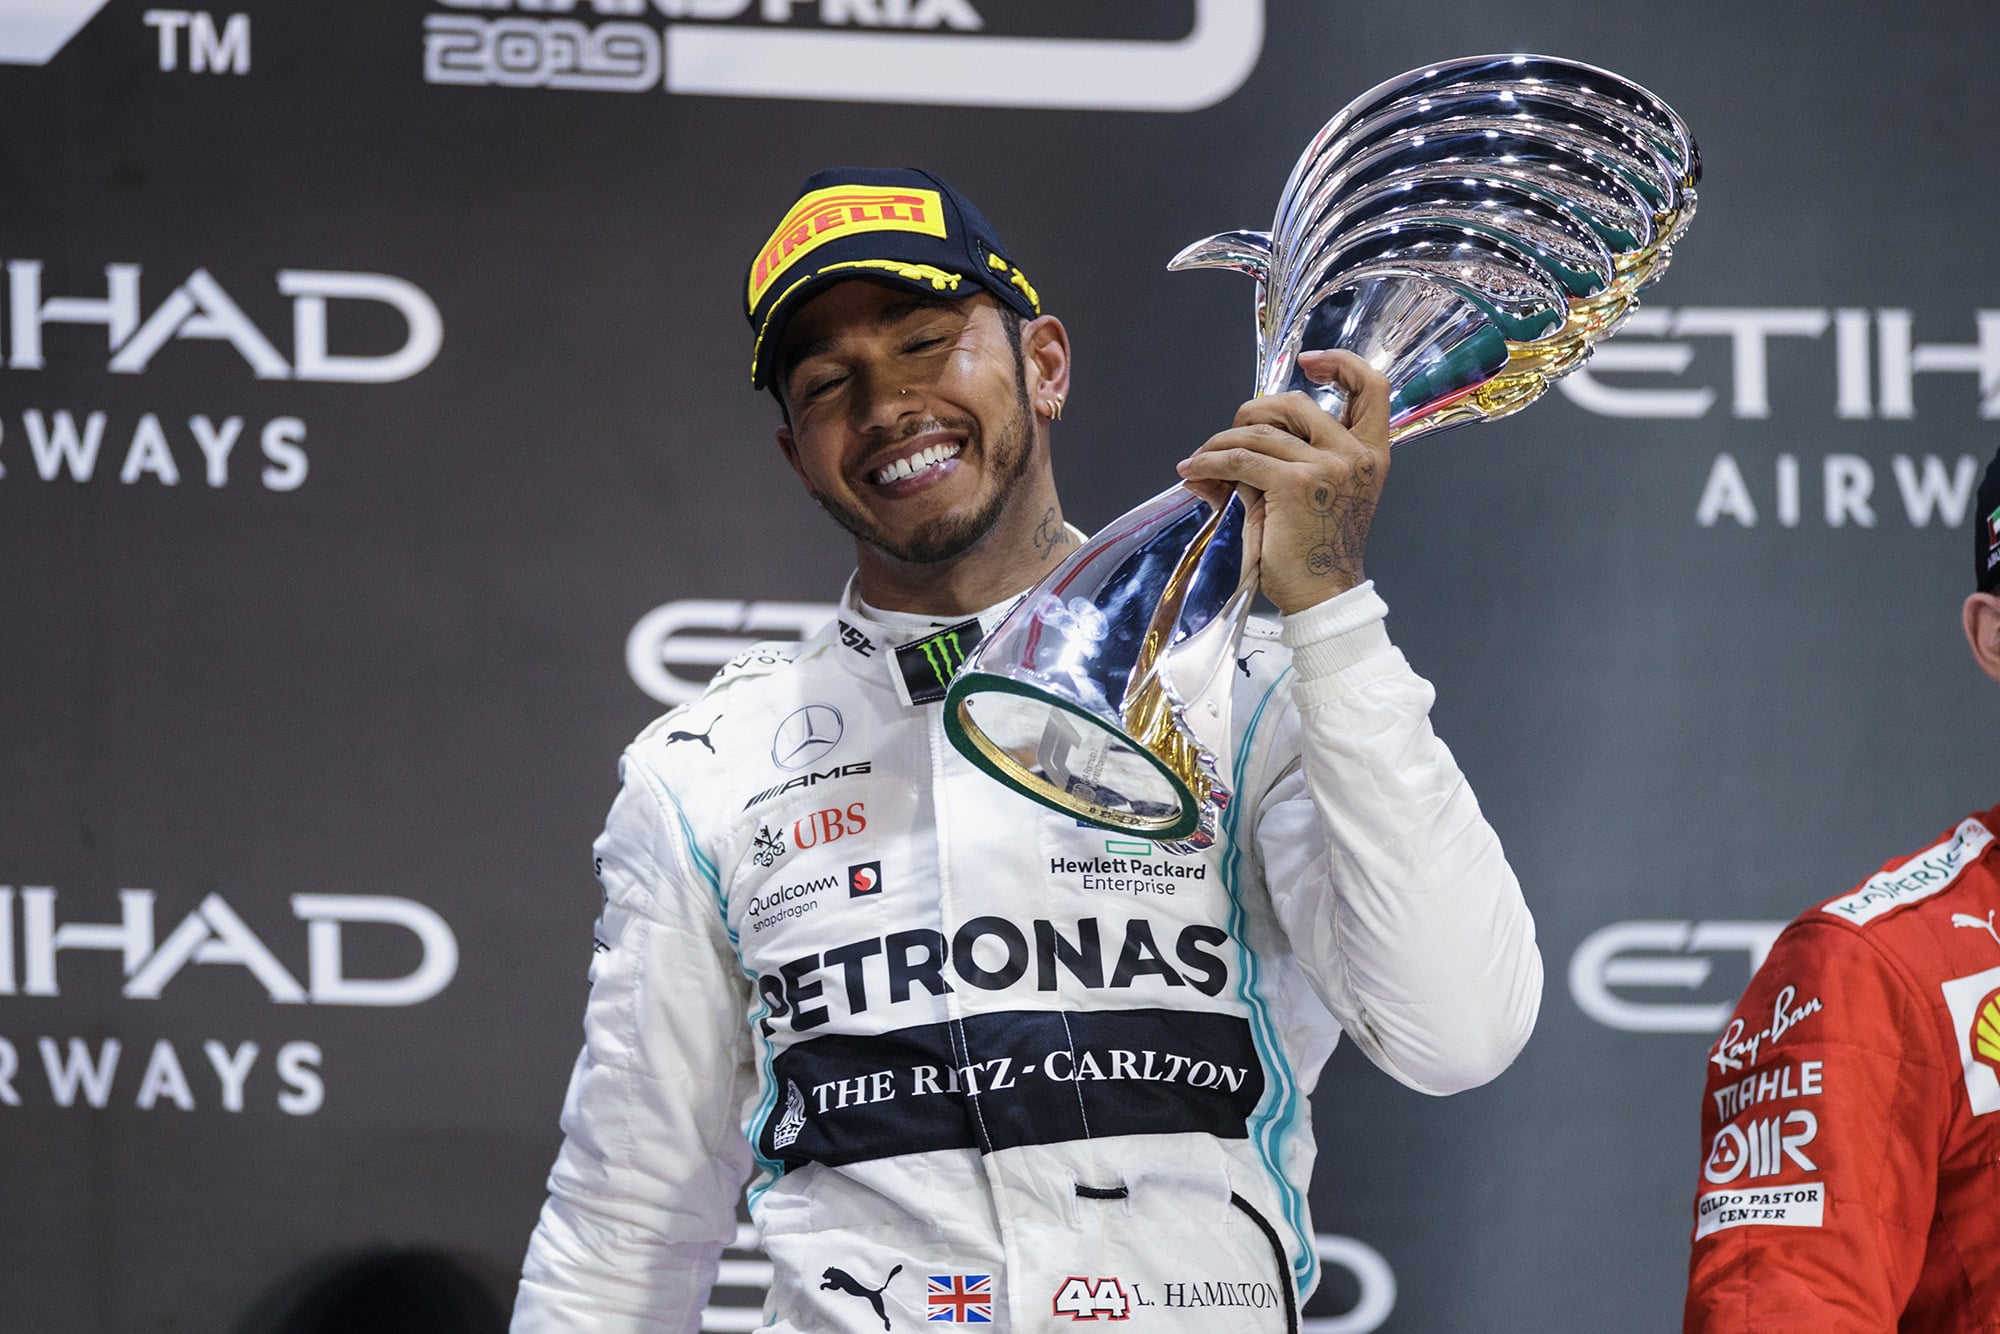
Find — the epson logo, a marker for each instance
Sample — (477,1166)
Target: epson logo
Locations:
(199,308)
(926,52)
(214,934)
(1663,956)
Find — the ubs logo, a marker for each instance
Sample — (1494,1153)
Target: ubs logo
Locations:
(830,826)
(806,735)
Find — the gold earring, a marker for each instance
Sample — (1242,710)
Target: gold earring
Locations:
(1055,407)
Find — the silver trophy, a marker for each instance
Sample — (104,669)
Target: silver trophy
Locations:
(1472,229)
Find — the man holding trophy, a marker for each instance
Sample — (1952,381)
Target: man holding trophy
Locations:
(1036,1056)
(1023,1054)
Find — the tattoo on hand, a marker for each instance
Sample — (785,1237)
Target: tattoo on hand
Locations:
(1050,535)
(1345,513)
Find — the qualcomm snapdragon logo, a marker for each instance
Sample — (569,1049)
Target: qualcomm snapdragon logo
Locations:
(927,52)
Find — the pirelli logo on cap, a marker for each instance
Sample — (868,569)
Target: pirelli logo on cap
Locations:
(836,212)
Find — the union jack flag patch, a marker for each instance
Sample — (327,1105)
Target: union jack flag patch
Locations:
(960,1299)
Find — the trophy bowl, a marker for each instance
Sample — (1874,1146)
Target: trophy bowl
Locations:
(1472,229)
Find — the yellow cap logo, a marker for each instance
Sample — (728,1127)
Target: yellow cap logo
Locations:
(837,211)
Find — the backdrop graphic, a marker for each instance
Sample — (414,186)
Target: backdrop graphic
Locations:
(377,456)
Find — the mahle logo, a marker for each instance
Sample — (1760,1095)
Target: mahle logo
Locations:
(926,52)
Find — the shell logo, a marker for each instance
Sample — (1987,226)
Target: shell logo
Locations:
(1986,1032)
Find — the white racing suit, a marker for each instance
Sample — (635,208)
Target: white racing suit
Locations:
(981,1064)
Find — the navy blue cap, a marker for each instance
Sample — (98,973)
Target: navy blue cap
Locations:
(895,225)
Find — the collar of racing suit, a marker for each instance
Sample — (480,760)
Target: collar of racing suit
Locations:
(875,640)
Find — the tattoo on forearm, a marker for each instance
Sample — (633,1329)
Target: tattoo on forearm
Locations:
(1050,535)
(1344,513)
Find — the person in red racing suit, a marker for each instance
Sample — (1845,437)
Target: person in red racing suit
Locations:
(1851,1123)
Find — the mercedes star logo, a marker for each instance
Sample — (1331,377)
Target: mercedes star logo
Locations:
(806,735)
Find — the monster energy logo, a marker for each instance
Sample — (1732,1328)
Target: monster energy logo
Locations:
(929,664)
(945,655)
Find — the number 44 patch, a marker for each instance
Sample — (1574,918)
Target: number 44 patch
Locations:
(1092,1299)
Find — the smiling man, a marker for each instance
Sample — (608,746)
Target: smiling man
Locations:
(980,1064)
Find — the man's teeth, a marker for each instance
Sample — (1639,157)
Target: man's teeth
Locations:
(915,463)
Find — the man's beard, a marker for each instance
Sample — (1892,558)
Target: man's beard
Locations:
(952,535)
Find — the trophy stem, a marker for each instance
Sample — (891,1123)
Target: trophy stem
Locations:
(1104,694)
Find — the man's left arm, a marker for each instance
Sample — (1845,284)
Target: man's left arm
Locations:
(1391,886)
(1388,880)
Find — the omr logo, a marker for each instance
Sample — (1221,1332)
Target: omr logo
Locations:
(32,31)
(923,52)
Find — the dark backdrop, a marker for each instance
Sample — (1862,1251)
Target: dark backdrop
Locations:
(302,746)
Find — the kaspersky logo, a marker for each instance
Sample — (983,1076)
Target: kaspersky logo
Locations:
(925,52)
(32,31)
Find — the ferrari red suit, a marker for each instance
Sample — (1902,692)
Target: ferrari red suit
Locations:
(1851,1124)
